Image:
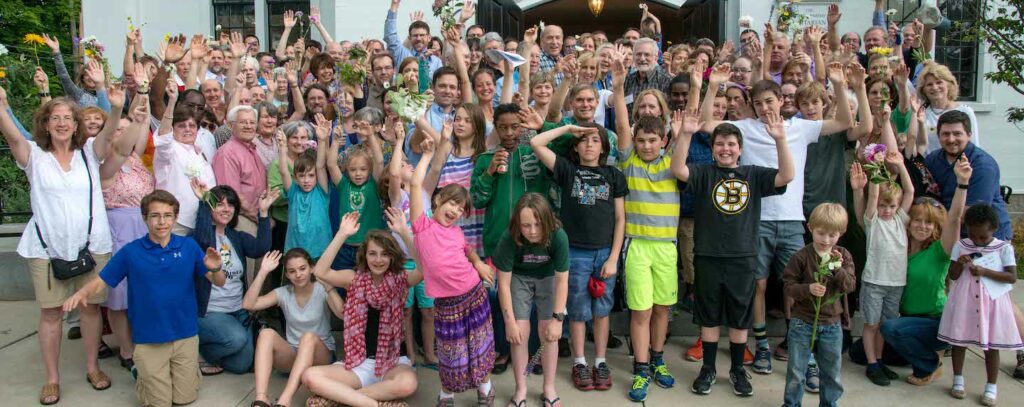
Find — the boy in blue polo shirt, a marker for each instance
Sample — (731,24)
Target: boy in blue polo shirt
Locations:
(162,308)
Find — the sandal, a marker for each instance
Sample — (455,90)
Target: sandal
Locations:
(104,351)
(317,401)
(209,369)
(392,403)
(548,402)
(98,380)
(514,403)
(50,394)
(957,392)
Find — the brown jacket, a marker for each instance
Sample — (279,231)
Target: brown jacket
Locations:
(799,275)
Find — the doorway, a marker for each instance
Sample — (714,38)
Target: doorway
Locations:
(687,23)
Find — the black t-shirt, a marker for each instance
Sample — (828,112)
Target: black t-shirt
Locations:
(727,207)
(588,202)
(825,172)
(372,327)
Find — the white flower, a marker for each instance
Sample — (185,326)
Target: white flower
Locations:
(834,265)
(90,38)
(194,170)
(540,27)
(3,50)
(890,12)
(218,27)
(746,21)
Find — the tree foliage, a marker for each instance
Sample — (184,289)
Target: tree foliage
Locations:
(1001,29)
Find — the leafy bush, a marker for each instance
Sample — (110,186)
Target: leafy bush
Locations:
(1018,245)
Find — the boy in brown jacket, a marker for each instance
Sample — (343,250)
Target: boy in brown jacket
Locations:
(818,276)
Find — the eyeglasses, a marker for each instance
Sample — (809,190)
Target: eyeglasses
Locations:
(926,200)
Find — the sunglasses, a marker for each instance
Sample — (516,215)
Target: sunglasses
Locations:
(924,200)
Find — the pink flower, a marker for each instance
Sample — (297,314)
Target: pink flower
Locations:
(311,144)
(874,153)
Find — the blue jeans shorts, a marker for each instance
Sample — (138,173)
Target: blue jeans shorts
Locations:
(777,242)
(584,263)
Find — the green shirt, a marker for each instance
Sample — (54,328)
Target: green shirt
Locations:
(497,194)
(532,260)
(901,120)
(363,199)
(925,292)
(279,210)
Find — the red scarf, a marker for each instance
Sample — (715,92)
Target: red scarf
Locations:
(388,297)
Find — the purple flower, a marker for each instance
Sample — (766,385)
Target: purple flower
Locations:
(298,14)
(874,153)
(75,40)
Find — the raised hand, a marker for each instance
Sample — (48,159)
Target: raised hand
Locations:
(52,43)
(291,72)
(212,261)
(858,178)
(720,74)
(453,35)
(267,198)
(349,224)
(416,16)
(314,14)
(815,34)
(691,121)
(855,74)
(619,66)
(775,126)
(289,19)
(769,35)
(530,36)
(836,74)
(530,118)
(697,72)
(270,262)
(237,44)
(963,170)
(893,158)
(116,95)
(396,221)
(468,10)
(141,113)
(427,146)
(198,46)
(199,188)
(901,74)
(41,80)
(175,49)
(323,128)
(94,71)
(833,15)
(726,51)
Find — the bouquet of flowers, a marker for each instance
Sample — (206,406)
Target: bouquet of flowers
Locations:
(447,11)
(790,20)
(826,267)
(94,49)
(874,158)
(409,105)
(353,72)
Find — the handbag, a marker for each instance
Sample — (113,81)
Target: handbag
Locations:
(84,263)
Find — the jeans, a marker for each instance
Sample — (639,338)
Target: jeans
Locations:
(916,339)
(829,357)
(225,340)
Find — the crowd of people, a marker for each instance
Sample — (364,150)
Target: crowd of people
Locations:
(524,206)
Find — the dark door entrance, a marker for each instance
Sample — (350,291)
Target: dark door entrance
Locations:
(700,20)
(501,16)
(684,24)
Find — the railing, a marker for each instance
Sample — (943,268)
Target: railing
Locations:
(5,215)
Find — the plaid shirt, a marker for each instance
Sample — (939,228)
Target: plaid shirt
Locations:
(657,79)
(547,64)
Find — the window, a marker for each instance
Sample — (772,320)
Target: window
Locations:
(235,15)
(275,22)
(960,55)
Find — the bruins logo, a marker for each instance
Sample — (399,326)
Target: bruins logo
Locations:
(731,196)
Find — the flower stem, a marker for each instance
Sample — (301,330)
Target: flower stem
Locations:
(814,327)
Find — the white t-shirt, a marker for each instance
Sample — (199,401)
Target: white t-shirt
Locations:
(886,263)
(171,160)
(229,297)
(60,206)
(759,149)
(931,120)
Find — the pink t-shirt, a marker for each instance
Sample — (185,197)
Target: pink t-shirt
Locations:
(446,269)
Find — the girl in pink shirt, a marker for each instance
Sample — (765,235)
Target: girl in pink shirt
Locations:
(455,278)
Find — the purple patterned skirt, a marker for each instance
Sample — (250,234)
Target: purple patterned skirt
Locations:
(126,226)
(465,339)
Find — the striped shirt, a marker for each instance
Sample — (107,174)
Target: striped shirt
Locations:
(652,206)
(459,170)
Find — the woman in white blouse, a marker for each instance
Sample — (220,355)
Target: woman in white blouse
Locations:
(177,159)
(938,89)
(59,163)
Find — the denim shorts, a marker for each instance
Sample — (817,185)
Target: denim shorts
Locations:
(584,263)
(777,242)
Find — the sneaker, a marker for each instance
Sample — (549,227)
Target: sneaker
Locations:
(877,376)
(641,381)
(781,351)
(812,383)
(763,361)
(662,377)
(581,377)
(704,381)
(748,358)
(740,380)
(602,377)
(889,373)
(696,352)
(1018,373)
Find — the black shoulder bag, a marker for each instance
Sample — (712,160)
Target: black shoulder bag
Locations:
(67,269)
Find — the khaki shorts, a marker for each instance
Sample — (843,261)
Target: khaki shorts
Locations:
(685,239)
(168,372)
(51,292)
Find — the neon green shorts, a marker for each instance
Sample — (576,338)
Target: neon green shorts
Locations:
(651,275)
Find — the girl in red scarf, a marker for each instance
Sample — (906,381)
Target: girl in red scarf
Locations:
(373,320)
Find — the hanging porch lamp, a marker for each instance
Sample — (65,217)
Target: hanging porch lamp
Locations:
(596,6)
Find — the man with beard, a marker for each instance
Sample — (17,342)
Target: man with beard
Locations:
(382,74)
(215,70)
(648,74)
(419,39)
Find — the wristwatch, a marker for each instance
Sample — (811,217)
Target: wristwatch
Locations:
(560,316)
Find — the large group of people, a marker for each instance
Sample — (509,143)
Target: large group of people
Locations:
(240,199)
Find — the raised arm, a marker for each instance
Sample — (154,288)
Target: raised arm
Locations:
(833,17)
(314,17)
(507,82)
(337,278)
(895,160)
(570,68)
(776,127)
(400,226)
(238,50)
(284,163)
(416,208)
(391,30)
(168,114)
(71,90)
(323,135)
(622,127)
(719,75)
(253,301)
(901,78)
(337,140)
(103,140)
(196,72)
(376,152)
(684,124)
(289,20)
(766,53)
(856,81)
(529,39)
(128,62)
(395,166)
(20,147)
(647,14)
(696,82)
(951,230)
(298,105)
(815,34)
(540,142)
(844,118)
(858,179)
(443,145)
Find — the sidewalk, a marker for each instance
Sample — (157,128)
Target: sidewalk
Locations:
(22,375)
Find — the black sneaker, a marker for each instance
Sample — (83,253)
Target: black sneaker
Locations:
(704,381)
(889,373)
(878,377)
(740,380)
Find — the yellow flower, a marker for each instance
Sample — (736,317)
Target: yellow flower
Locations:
(34,39)
(882,51)
(3,72)
(89,52)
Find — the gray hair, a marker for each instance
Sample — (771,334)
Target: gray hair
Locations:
(233,114)
(491,36)
(291,128)
(371,115)
(269,107)
(647,41)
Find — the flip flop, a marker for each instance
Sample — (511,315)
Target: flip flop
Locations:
(98,380)
(548,402)
(514,403)
(49,390)
(209,369)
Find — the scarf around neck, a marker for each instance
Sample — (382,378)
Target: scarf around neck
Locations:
(388,297)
